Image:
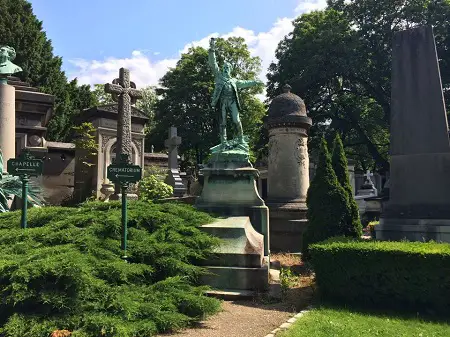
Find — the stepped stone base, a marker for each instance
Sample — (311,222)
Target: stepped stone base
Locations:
(239,262)
(287,224)
(413,230)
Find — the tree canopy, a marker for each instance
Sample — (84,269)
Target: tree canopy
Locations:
(339,61)
(185,99)
(21,30)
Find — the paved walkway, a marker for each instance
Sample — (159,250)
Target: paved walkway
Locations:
(240,319)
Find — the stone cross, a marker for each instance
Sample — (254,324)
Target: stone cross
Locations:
(172,145)
(125,93)
(368,180)
(368,175)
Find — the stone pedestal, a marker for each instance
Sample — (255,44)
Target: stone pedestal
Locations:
(229,190)
(288,171)
(7,122)
(233,192)
(239,262)
(173,179)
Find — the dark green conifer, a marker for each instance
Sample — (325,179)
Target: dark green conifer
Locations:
(327,203)
(353,226)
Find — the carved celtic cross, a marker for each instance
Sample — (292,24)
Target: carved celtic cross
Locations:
(125,93)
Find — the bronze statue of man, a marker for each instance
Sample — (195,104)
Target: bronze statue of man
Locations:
(226,93)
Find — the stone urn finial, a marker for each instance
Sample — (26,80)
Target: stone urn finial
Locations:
(286,88)
(107,190)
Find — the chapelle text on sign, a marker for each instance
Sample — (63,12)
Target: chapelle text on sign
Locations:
(34,163)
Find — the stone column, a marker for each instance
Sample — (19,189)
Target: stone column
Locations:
(288,170)
(7,121)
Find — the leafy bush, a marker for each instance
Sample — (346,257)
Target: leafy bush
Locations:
(340,167)
(413,275)
(371,227)
(327,204)
(150,188)
(65,272)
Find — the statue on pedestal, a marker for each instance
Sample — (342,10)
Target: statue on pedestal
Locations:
(226,97)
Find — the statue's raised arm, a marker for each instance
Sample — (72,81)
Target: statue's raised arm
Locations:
(212,56)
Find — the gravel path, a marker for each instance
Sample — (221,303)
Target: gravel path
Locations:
(240,319)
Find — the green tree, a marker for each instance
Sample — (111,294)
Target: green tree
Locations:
(186,95)
(339,61)
(147,105)
(340,167)
(327,203)
(21,30)
(100,96)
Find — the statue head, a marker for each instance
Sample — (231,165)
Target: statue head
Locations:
(226,69)
(7,54)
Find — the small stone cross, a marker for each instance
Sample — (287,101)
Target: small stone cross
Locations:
(172,145)
(125,93)
(368,174)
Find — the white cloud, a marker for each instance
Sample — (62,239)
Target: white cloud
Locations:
(306,6)
(147,71)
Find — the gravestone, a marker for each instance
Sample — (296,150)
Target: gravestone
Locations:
(173,177)
(419,204)
(124,92)
(368,188)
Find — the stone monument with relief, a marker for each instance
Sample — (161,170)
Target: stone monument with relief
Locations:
(230,190)
(288,170)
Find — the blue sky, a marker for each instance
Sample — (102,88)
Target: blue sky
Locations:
(97,37)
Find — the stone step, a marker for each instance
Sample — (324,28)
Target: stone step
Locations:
(234,260)
(232,294)
(220,278)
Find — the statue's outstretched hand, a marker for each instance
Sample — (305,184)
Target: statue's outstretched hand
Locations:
(212,43)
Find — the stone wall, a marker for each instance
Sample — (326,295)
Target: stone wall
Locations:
(57,180)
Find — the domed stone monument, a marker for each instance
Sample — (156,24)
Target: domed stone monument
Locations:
(288,170)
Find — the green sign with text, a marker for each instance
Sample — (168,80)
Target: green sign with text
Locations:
(124,173)
(21,166)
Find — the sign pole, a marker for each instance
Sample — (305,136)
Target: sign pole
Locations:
(23,219)
(124,173)
(124,187)
(25,166)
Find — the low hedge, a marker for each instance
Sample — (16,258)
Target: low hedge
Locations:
(374,274)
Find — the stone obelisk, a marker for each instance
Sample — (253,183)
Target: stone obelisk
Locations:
(419,203)
(7,103)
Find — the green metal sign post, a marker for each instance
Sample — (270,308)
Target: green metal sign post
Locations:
(124,173)
(24,167)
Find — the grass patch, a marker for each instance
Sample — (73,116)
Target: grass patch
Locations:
(327,322)
(65,272)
